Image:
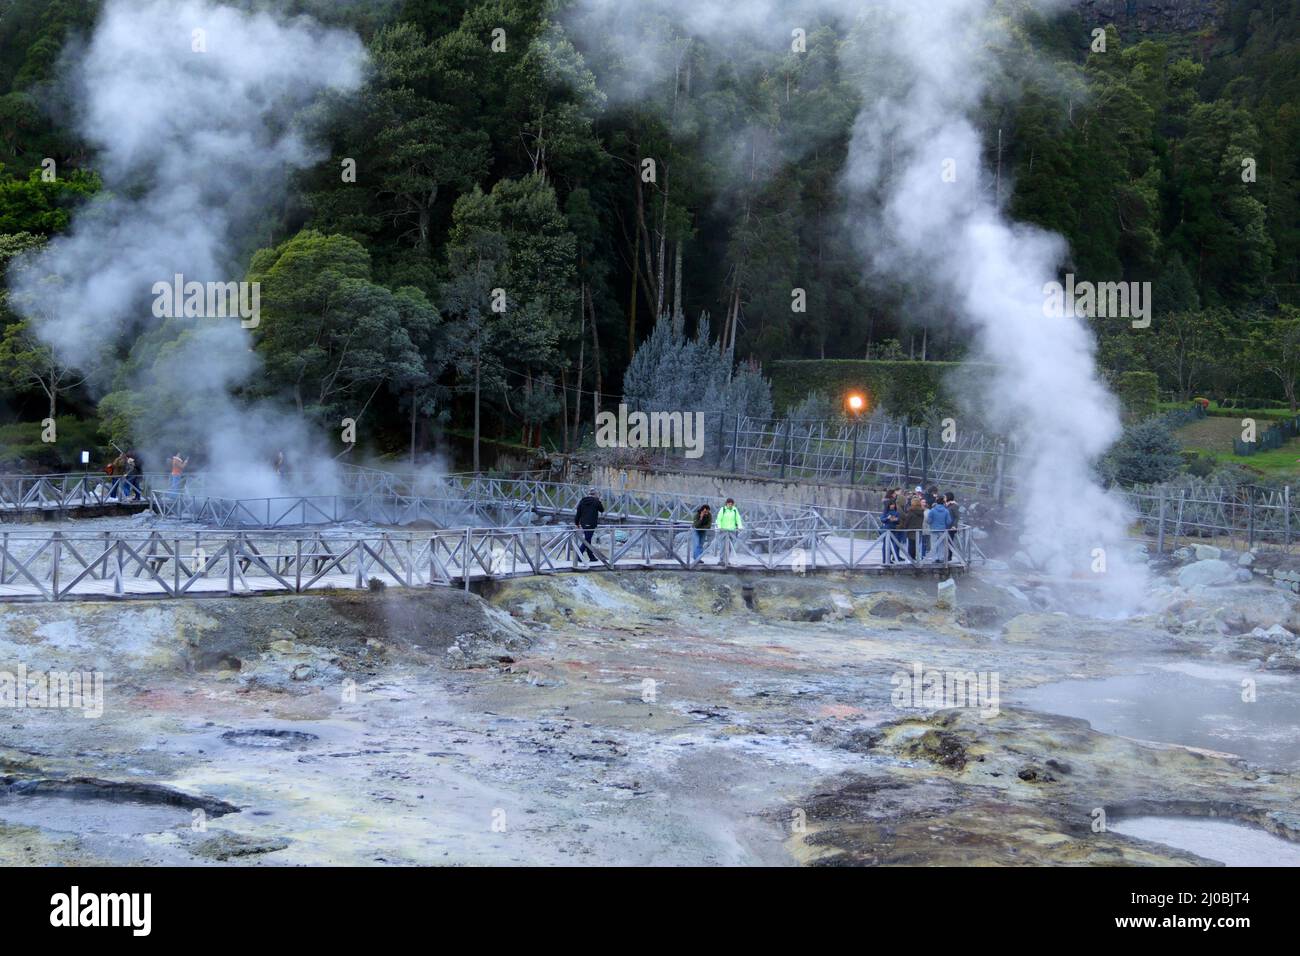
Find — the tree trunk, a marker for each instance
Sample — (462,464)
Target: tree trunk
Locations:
(660,282)
(564,408)
(477,380)
(582,355)
(415,396)
(595,358)
(677,280)
(636,280)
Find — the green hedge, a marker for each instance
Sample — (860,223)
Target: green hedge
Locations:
(1139,395)
(21,446)
(911,390)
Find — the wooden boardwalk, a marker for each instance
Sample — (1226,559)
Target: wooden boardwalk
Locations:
(62,566)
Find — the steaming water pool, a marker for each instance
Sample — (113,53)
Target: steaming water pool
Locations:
(1229,843)
(72,815)
(1189,704)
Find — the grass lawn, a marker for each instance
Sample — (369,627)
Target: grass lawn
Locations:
(1270,414)
(1213,437)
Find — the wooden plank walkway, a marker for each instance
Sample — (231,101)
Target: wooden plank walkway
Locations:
(115,566)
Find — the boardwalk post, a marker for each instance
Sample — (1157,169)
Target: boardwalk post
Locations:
(1250,516)
(997,474)
(1178,521)
(54,564)
(722,439)
(925,458)
(853,461)
(465,559)
(785,455)
(230,568)
(906,455)
(735,444)
(1160,531)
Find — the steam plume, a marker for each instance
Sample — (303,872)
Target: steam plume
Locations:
(922,69)
(195,134)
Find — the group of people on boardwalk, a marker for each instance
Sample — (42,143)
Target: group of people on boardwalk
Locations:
(727,521)
(924,521)
(125,472)
(126,475)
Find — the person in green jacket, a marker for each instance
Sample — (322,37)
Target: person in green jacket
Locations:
(728,523)
(729,517)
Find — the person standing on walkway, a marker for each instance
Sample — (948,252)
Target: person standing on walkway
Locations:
(131,472)
(889,541)
(729,523)
(703,522)
(937,521)
(178,471)
(912,524)
(114,471)
(587,517)
(950,502)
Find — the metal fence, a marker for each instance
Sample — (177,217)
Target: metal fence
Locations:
(1238,518)
(869,451)
(1275,436)
(461,500)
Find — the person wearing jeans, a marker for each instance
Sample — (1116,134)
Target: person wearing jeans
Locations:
(703,522)
(587,517)
(890,540)
(938,519)
(729,524)
(178,470)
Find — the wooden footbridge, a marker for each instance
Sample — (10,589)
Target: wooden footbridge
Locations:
(65,566)
(449,531)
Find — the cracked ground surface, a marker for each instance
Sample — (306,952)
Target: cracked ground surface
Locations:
(631,718)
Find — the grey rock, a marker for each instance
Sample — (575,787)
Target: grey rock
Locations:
(1207,573)
(1277,634)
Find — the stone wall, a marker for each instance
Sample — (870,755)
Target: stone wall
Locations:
(718,487)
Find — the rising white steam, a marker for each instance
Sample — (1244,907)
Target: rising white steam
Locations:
(193,109)
(922,69)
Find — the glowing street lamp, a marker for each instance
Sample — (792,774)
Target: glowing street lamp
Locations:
(856,402)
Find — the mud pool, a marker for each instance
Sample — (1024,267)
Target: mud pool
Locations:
(1198,706)
(1228,843)
(652,718)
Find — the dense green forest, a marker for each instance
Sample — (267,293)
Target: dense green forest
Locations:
(1169,159)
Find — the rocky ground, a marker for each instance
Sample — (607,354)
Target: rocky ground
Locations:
(631,718)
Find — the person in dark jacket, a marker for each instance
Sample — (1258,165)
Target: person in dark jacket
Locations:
(889,542)
(703,522)
(587,517)
(913,524)
(137,474)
